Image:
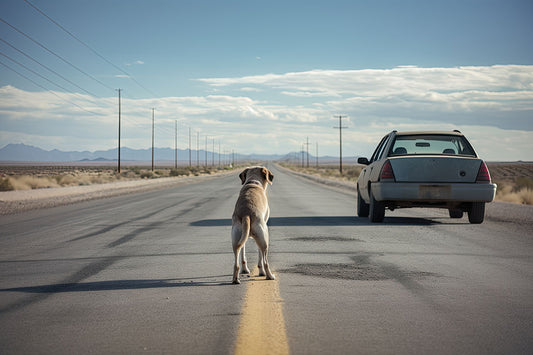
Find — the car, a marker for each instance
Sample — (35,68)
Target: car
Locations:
(432,169)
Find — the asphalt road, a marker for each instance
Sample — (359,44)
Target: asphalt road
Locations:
(151,273)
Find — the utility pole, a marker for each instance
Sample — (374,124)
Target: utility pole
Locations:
(303,151)
(176,145)
(119,130)
(190,147)
(219,154)
(307,146)
(213,157)
(153,138)
(317,154)
(340,141)
(206,151)
(197,149)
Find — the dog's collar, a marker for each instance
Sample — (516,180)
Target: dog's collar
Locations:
(254,182)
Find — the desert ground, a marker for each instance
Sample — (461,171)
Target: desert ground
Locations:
(24,187)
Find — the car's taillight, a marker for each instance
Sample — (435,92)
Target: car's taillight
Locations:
(483,175)
(386,172)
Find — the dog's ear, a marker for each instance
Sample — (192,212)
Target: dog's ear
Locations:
(269,177)
(243,176)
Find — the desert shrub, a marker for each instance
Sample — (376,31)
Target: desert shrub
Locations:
(27,182)
(129,174)
(179,172)
(5,185)
(84,180)
(146,175)
(66,180)
(353,172)
(136,170)
(524,196)
(523,183)
(515,192)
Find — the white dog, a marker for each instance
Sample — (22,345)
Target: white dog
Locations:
(250,220)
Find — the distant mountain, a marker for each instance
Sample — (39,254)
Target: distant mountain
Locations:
(23,152)
(28,153)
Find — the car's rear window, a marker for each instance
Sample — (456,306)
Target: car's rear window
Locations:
(431,144)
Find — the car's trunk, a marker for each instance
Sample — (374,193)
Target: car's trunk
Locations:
(435,169)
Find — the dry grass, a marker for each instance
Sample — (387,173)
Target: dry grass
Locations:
(509,193)
(38,177)
(514,180)
(349,173)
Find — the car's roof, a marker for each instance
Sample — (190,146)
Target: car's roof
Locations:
(410,133)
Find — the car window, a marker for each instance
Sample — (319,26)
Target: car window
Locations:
(378,153)
(433,144)
(374,155)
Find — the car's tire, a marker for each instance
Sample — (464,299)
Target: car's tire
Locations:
(455,213)
(362,206)
(476,214)
(376,209)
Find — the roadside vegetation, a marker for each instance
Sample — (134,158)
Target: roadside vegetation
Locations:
(349,172)
(38,177)
(514,180)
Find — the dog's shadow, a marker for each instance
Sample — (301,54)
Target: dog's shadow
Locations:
(114,285)
(318,221)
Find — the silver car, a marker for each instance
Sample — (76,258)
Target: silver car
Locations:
(424,169)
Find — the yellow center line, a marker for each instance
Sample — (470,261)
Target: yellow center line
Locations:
(262,328)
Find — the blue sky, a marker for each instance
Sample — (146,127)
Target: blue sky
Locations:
(261,76)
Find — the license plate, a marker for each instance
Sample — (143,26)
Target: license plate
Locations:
(434,192)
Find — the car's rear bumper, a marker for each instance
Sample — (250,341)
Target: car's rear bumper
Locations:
(467,192)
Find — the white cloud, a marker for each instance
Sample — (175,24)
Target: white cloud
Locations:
(250,89)
(137,62)
(274,113)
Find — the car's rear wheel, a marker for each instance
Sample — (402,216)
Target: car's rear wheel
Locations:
(455,213)
(476,214)
(376,210)
(362,206)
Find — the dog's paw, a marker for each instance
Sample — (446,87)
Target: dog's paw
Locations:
(236,282)
(245,271)
(271,277)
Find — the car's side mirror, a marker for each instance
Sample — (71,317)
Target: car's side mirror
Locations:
(363,161)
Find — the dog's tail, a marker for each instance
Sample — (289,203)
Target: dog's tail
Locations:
(245,229)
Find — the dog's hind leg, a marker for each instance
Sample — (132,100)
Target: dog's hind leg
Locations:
(236,266)
(244,262)
(235,238)
(262,244)
(239,235)
(269,274)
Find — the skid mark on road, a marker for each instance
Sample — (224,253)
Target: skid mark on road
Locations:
(262,328)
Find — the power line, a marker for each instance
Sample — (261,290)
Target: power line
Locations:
(55,54)
(34,72)
(89,47)
(48,90)
(47,68)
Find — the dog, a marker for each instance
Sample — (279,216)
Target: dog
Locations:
(250,220)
